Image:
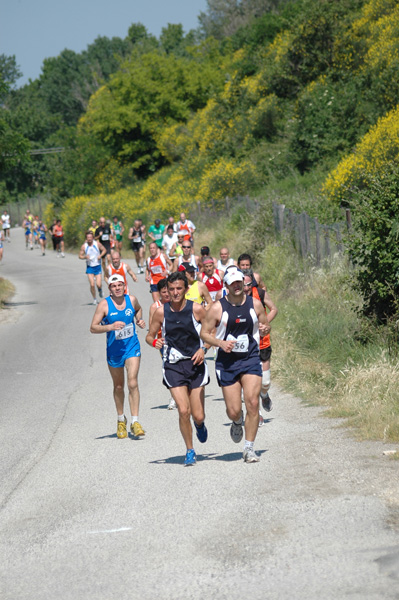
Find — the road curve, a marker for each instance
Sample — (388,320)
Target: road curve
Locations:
(85,515)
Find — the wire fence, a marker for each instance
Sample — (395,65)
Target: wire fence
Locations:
(309,237)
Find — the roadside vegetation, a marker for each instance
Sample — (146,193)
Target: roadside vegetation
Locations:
(7,290)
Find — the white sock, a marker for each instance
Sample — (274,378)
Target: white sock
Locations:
(134,419)
(248,445)
(121,417)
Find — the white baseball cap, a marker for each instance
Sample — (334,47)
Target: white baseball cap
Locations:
(115,278)
(232,275)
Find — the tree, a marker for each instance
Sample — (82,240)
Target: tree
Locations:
(374,242)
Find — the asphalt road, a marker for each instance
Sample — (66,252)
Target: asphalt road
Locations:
(85,515)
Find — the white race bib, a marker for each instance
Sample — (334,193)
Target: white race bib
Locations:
(105,237)
(126,332)
(241,343)
(156,270)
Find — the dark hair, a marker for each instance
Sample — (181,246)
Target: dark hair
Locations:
(244,257)
(205,251)
(89,232)
(162,283)
(169,227)
(115,217)
(178,276)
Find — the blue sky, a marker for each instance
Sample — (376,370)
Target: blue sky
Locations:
(33,30)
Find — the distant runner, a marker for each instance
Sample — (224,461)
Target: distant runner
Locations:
(92,252)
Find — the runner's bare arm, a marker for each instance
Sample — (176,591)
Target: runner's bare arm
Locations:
(203,290)
(209,323)
(130,271)
(271,306)
(82,254)
(139,312)
(100,313)
(264,325)
(155,325)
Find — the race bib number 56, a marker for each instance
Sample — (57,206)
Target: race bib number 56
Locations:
(241,343)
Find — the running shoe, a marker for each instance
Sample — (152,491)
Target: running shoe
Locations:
(249,456)
(94,301)
(236,431)
(266,402)
(191,458)
(202,432)
(121,432)
(100,293)
(136,429)
(62,255)
(261,420)
(172,404)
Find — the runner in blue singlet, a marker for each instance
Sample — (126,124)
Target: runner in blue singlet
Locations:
(115,316)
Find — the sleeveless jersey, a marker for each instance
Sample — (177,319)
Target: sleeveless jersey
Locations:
(265,340)
(93,252)
(194,294)
(117,231)
(181,333)
(120,271)
(191,261)
(239,323)
(214,283)
(184,227)
(58,231)
(137,236)
(221,267)
(124,340)
(156,266)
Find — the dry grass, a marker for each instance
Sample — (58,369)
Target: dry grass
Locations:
(7,290)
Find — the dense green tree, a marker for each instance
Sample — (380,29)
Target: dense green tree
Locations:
(144,96)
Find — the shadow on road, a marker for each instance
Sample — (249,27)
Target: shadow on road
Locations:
(113,435)
(179,460)
(11,304)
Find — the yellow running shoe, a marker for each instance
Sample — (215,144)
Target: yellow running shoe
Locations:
(136,429)
(121,432)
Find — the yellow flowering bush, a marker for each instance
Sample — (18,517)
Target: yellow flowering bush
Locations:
(378,147)
(225,178)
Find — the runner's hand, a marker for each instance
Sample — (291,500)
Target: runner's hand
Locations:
(140,323)
(159,343)
(264,329)
(198,357)
(117,325)
(227,346)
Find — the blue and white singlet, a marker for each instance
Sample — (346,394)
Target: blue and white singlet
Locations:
(124,342)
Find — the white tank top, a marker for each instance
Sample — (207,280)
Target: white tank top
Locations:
(93,252)
(222,267)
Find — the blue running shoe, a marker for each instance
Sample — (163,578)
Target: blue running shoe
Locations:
(202,432)
(191,458)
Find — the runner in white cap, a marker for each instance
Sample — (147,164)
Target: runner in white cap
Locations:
(115,316)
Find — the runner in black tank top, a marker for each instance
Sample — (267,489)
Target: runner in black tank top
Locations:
(184,371)
(238,321)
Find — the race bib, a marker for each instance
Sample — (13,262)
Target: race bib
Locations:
(158,236)
(105,237)
(241,343)
(156,270)
(126,332)
(137,239)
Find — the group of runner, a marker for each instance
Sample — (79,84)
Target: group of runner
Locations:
(199,303)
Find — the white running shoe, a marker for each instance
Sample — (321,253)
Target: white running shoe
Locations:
(94,301)
(249,456)
(172,404)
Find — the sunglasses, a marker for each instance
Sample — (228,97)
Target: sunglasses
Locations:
(186,246)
